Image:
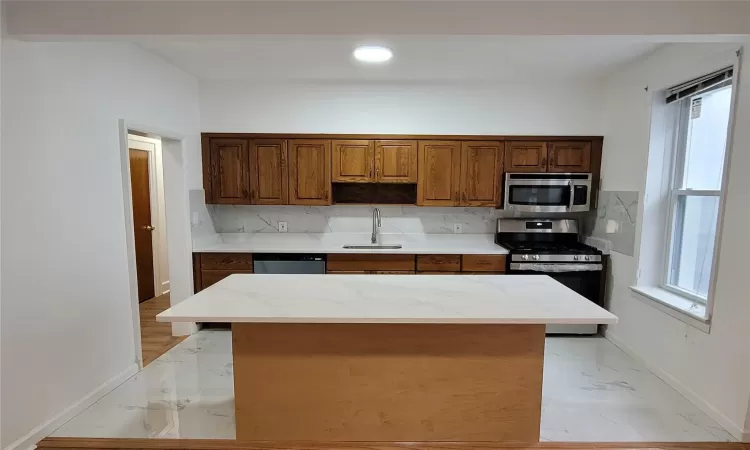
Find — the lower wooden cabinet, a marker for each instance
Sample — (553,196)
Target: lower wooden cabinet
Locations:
(210,268)
(355,262)
(483,263)
(209,277)
(438,263)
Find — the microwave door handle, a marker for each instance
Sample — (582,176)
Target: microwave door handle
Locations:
(571,199)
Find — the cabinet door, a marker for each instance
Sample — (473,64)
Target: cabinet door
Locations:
(439,169)
(353,161)
(569,156)
(230,180)
(268,172)
(481,169)
(211,277)
(309,172)
(396,161)
(526,156)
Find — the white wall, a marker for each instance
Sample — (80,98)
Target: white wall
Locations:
(66,300)
(713,369)
(409,108)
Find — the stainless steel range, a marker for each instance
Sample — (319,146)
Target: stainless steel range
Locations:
(551,247)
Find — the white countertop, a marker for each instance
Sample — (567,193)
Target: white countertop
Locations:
(498,299)
(480,244)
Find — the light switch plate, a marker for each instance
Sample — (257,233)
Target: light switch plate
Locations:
(458,228)
(282,227)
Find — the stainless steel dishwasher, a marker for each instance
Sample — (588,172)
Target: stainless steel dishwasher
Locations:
(289,263)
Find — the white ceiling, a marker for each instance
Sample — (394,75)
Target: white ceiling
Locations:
(416,59)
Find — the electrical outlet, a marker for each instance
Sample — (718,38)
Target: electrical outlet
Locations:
(458,228)
(282,227)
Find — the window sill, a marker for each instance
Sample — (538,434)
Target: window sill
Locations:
(681,308)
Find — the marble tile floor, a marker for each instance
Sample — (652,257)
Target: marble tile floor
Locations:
(592,392)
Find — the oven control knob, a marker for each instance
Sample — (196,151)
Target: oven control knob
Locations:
(536,257)
(576,258)
(525,257)
(587,258)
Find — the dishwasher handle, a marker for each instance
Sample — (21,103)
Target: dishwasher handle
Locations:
(288,257)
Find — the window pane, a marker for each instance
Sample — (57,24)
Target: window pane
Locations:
(693,243)
(706,139)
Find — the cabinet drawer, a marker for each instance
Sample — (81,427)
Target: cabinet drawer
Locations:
(483,273)
(209,277)
(483,263)
(439,273)
(226,261)
(349,262)
(438,263)
(347,272)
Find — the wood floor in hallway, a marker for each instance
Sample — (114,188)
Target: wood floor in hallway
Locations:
(156,337)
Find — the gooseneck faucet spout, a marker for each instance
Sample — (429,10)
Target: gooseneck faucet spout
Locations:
(375,225)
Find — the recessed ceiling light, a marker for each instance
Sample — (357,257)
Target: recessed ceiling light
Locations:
(373,54)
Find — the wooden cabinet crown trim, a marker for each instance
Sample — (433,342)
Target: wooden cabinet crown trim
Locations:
(438,137)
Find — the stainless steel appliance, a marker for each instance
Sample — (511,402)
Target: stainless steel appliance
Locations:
(289,263)
(551,247)
(547,192)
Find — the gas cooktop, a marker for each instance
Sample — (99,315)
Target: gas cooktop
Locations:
(548,248)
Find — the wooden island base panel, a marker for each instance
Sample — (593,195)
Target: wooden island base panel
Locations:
(388,382)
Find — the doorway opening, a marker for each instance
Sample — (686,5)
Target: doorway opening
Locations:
(150,238)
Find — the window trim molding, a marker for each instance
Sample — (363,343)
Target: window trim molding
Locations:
(666,302)
(677,169)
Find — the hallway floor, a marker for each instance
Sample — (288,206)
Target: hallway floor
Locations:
(592,391)
(156,337)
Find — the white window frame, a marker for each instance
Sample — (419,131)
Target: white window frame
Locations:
(679,149)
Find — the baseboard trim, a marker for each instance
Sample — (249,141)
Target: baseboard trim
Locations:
(732,428)
(45,429)
(225,444)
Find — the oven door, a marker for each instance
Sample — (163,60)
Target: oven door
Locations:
(585,279)
(544,193)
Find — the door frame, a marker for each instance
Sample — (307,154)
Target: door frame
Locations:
(153,147)
(175,146)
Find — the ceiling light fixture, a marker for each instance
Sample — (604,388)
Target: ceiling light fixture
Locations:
(373,54)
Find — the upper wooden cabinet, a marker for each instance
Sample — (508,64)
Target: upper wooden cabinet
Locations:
(228,177)
(309,172)
(526,156)
(481,171)
(439,172)
(386,161)
(275,169)
(269,175)
(353,161)
(395,161)
(569,156)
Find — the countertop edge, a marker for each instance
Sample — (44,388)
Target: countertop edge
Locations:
(404,321)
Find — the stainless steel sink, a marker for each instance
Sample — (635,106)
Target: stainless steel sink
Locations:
(373,247)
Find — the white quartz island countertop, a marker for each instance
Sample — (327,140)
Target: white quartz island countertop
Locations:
(482,244)
(471,299)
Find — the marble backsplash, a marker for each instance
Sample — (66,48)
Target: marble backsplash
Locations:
(615,220)
(211,219)
(349,219)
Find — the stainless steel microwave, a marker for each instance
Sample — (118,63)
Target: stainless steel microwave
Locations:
(547,192)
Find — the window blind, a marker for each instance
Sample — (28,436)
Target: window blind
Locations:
(700,84)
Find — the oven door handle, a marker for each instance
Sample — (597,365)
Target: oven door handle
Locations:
(555,268)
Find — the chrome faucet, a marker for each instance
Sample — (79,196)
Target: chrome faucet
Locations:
(375,225)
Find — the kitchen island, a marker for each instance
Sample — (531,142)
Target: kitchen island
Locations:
(388,358)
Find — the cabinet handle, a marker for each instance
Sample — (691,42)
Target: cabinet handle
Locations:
(544,162)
